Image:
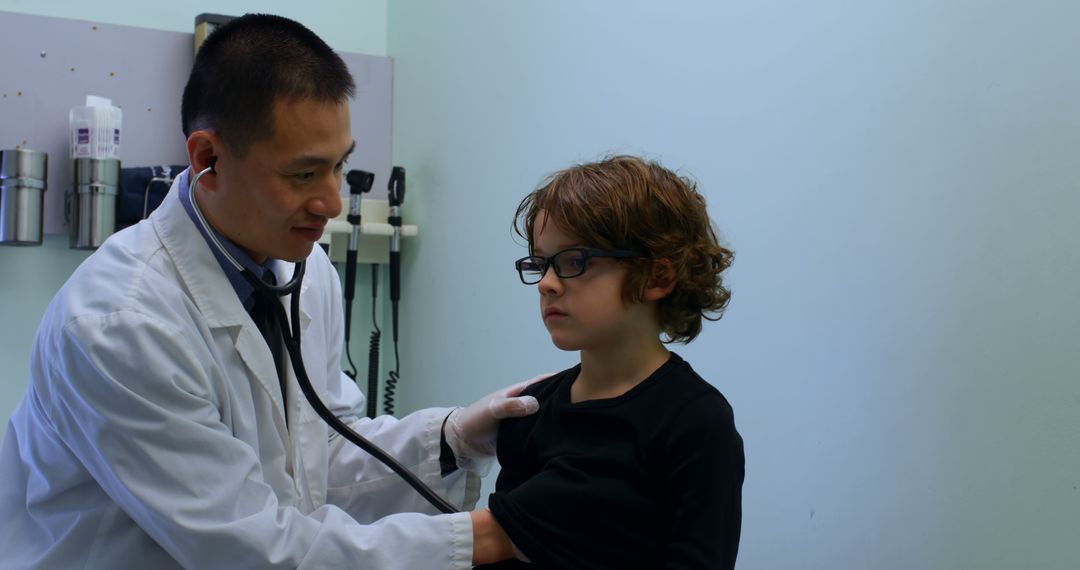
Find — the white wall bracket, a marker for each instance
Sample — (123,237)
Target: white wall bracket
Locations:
(375,232)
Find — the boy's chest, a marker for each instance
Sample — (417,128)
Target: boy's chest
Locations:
(602,448)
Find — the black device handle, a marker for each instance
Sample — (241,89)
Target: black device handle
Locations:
(395,288)
(360,182)
(396,195)
(350,287)
(396,186)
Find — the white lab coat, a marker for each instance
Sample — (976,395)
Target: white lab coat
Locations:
(152,434)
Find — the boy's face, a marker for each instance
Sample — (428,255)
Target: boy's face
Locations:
(586,312)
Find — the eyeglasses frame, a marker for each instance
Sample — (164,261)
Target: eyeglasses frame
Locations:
(588,252)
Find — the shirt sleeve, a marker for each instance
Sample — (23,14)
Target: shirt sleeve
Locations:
(364,486)
(705,476)
(142,412)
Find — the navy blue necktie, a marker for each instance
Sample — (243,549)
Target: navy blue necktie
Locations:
(267,314)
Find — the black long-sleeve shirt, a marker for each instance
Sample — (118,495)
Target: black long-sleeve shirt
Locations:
(650,479)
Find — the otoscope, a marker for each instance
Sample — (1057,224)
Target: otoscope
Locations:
(360,182)
(395,196)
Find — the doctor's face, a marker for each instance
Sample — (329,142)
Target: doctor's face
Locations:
(276,199)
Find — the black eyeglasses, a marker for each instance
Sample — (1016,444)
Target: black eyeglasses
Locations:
(567,263)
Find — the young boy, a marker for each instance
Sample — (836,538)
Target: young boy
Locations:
(633,460)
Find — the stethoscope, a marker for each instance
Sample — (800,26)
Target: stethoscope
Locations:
(291,336)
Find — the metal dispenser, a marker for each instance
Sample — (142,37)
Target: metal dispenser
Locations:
(92,201)
(95,157)
(23,175)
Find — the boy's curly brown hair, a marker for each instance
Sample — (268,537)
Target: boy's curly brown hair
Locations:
(624,202)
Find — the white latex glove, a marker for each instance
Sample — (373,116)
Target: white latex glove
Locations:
(471,432)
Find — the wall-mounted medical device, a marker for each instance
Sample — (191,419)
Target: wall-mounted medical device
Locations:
(205,24)
(92,201)
(95,158)
(23,175)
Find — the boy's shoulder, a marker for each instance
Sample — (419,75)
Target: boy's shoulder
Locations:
(546,388)
(691,396)
(677,371)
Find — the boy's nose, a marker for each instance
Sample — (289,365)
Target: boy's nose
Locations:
(550,283)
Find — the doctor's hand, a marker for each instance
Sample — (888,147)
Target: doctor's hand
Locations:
(471,432)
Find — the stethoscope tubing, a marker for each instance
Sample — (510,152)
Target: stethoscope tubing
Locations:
(291,336)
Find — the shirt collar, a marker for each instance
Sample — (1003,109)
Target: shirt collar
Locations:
(239,284)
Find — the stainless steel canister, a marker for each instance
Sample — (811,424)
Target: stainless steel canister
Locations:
(92,201)
(23,175)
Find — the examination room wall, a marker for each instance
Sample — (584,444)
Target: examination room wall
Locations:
(900,182)
(348,25)
(33,275)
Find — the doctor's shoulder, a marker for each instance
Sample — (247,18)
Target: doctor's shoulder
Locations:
(118,308)
(130,273)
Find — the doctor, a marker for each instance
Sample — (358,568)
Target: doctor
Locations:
(162,427)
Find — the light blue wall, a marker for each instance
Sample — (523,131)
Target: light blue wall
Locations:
(901,185)
(31,276)
(355,25)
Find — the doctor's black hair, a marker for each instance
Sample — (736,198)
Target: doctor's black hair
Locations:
(245,66)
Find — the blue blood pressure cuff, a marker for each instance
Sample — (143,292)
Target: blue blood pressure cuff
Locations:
(142,189)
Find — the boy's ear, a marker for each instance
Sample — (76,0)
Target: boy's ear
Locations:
(661,282)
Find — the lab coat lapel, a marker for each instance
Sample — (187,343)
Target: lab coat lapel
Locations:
(215,298)
(308,495)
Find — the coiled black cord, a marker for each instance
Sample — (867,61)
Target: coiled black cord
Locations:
(348,350)
(391,384)
(373,348)
(373,354)
(348,354)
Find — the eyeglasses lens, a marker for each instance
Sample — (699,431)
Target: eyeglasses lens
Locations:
(531,269)
(570,263)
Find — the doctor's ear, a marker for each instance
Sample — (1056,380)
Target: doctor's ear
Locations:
(202,147)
